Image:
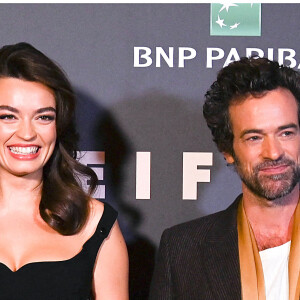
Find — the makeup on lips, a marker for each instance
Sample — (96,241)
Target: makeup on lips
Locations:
(24,152)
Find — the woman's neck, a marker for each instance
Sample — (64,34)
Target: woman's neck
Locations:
(20,193)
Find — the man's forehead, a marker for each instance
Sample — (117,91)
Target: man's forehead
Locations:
(273,109)
(281,91)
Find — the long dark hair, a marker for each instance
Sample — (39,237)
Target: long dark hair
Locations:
(252,76)
(64,205)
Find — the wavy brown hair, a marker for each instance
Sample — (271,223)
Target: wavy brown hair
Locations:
(240,79)
(64,205)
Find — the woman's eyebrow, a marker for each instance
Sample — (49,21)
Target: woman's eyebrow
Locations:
(10,108)
(38,111)
(46,109)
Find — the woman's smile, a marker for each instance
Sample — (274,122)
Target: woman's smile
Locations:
(24,152)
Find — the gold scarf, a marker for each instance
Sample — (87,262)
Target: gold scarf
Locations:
(252,277)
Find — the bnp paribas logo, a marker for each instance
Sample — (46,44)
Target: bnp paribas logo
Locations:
(235,19)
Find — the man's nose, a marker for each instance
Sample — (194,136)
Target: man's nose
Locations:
(272,148)
(26,130)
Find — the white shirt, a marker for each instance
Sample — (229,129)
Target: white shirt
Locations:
(275,263)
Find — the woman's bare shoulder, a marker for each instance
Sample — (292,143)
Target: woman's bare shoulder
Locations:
(111,266)
(96,209)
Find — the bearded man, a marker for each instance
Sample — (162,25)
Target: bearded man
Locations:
(251,250)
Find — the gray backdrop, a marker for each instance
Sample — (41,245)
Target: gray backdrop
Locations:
(123,109)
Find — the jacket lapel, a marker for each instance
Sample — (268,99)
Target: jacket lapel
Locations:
(221,256)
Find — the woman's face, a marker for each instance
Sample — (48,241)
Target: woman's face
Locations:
(27,127)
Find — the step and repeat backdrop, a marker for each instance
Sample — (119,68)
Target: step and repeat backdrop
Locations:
(140,72)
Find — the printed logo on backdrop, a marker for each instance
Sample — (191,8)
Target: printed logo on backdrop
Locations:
(227,19)
(235,19)
(192,172)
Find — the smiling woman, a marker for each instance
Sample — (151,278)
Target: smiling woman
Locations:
(27,127)
(51,230)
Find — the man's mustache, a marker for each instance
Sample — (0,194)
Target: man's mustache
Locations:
(274,163)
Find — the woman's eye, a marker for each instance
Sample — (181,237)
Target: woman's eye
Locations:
(46,118)
(7,117)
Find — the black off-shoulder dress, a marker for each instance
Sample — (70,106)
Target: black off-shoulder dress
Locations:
(58,280)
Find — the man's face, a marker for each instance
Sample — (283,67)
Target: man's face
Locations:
(266,143)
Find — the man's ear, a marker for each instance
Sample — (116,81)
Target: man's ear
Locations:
(229,158)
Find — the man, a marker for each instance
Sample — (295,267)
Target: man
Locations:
(252,249)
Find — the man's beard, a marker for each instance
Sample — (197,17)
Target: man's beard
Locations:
(270,187)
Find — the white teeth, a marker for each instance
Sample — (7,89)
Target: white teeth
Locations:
(24,150)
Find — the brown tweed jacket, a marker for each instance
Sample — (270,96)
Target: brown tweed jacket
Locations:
(199,260)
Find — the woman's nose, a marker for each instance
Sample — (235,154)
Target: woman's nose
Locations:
(26,130)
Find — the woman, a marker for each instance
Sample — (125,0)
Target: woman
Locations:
(55,242)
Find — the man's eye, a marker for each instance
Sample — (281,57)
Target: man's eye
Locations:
(288,133)
(7,117)
(253,138)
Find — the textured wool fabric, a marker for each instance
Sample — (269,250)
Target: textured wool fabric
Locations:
(199,260)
